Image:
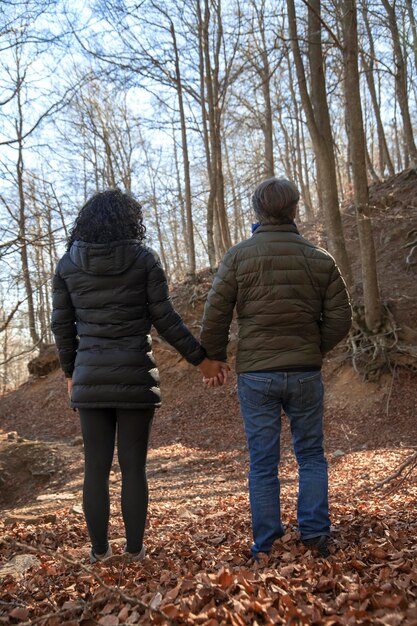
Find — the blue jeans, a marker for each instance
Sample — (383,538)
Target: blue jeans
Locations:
(262,395)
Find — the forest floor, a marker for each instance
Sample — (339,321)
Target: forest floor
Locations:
(199,568)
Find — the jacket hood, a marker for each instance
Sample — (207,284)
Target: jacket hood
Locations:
(114,257)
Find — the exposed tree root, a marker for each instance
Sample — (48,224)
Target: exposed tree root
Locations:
(411,460)
(375,353)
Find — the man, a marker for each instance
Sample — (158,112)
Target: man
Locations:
(292,307)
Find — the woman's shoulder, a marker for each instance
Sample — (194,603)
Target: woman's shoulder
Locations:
(150,255)
(62,262)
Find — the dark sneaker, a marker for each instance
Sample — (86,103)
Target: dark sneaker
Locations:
(320,544)
(115,559)
(136,556)
(100,557)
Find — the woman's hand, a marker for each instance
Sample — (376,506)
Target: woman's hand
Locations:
(69,383)
(217,381)
(215,373)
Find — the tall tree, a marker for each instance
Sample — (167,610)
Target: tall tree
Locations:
(358,165)
(259,59)
(302,170)
(413,25)
(401,88)
(317,114)
(213,89)
(368,63)
(186,160)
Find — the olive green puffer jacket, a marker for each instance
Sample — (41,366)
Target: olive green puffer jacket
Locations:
(291,301)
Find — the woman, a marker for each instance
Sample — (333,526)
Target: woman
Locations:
(108,289)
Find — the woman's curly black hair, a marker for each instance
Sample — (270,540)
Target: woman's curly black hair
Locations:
(108,216)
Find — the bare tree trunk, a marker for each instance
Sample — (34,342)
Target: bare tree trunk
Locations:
(305,163)
(211,78)
(285,154)
(41,308)
(318,120)
(370,166)
(124,148)
(49,270)
(268,128)
(179,186)
(186,161)
(242,226)
(368,66)
(178,226)
(154,204)
(223,219)
(176,237)
(213,99)
(236,213)
(40,280)
(358,164)
(413,28)
(109,169)
(305,191)
(95,162)
(202,36)
(84,158)
(5,351)
(410,156)
(398,152)
(383,152)
(100,125)
(161,239)
(264,71)
(299,141)
(22,220)
(293,151)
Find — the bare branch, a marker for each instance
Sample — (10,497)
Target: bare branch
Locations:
(10,317)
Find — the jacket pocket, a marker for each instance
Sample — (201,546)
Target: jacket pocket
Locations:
(253,390)
(311,389)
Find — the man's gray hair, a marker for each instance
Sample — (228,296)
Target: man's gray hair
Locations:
(274,200)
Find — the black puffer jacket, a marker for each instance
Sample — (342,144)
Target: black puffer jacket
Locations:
(105,299)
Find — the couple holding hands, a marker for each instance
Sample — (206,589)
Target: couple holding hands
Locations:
(292,307)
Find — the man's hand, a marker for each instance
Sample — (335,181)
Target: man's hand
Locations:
(215,373)
(69,383)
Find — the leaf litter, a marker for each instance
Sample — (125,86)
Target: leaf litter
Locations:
(199,568)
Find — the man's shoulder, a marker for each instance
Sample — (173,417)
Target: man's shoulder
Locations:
(235,250)
(314,250)
(243,245)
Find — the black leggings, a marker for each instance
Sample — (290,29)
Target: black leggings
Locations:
(99,429)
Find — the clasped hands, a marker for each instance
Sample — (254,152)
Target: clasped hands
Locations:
(215,373)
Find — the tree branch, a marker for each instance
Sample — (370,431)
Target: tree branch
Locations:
(10,317)
(408,461)
(89,570)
